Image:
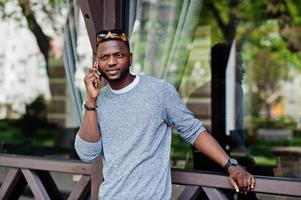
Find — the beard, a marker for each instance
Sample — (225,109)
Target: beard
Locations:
(122,74)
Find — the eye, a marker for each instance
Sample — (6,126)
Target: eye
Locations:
(103,57)
(119,55)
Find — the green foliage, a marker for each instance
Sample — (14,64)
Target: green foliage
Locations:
(10,131)
(262,152)
(268,61)
(254,11)
(282,123)
(34,117)
(262,160)
(32,128)
(179,147)
(295,141)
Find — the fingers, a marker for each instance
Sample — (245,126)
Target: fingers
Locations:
(245,182)
(252,182)
(95,66)
(233,183)
(242,181)
(93,70)
(93,77)
(249,182)
(246,186)
(92,74)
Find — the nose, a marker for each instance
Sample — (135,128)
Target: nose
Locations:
(112,61)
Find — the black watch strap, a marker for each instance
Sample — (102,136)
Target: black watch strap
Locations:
(230,162)
(90,108)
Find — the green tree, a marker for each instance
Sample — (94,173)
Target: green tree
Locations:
(227,15)
(270,33)
(38,16)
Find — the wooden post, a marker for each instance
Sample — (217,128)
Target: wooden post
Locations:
(99,15)
(13,185)
(96,177)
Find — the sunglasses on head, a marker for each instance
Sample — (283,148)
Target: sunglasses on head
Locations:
(111,35)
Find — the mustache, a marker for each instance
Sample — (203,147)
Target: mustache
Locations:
(112,69)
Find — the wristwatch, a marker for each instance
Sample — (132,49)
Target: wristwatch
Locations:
(230,162)
(90,108)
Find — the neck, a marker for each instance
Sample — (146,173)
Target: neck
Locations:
(121,83)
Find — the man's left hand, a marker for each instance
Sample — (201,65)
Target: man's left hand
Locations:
(240,179)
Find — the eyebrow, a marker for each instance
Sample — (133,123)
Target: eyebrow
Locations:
(114,53)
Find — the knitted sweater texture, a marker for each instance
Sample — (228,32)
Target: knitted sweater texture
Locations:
(135,139)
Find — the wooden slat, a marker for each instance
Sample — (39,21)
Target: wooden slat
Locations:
(189,192)
(13,184)
(93,12)
(97,177)
(99,15)
(74,167)
(35,184)
(8,184)
(49,184)
(214,194)
(199,179)
(268,185)
(280,186)
(82,189)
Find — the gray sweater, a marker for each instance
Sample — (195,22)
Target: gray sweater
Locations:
(136,137)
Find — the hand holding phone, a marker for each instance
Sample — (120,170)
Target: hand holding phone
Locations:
(97,80)
(93,80)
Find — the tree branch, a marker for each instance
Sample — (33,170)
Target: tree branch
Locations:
(35,28)
(216,15)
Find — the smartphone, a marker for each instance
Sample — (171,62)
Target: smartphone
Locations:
(96,65)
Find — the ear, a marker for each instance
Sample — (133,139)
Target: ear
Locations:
(131,58)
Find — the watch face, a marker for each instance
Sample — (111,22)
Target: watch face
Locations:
(233,161)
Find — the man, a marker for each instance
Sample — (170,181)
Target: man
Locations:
(128,122)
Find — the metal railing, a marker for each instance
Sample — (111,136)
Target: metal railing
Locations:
(35,172)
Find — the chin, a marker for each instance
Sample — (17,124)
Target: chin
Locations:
(113,79)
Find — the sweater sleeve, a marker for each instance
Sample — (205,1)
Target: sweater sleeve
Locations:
(177,114)
(87,151)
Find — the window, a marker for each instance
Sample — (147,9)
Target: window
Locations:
(184,41)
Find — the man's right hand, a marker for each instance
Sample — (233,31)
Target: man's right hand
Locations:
(92,82)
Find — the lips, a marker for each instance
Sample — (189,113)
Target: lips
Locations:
(112,71)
